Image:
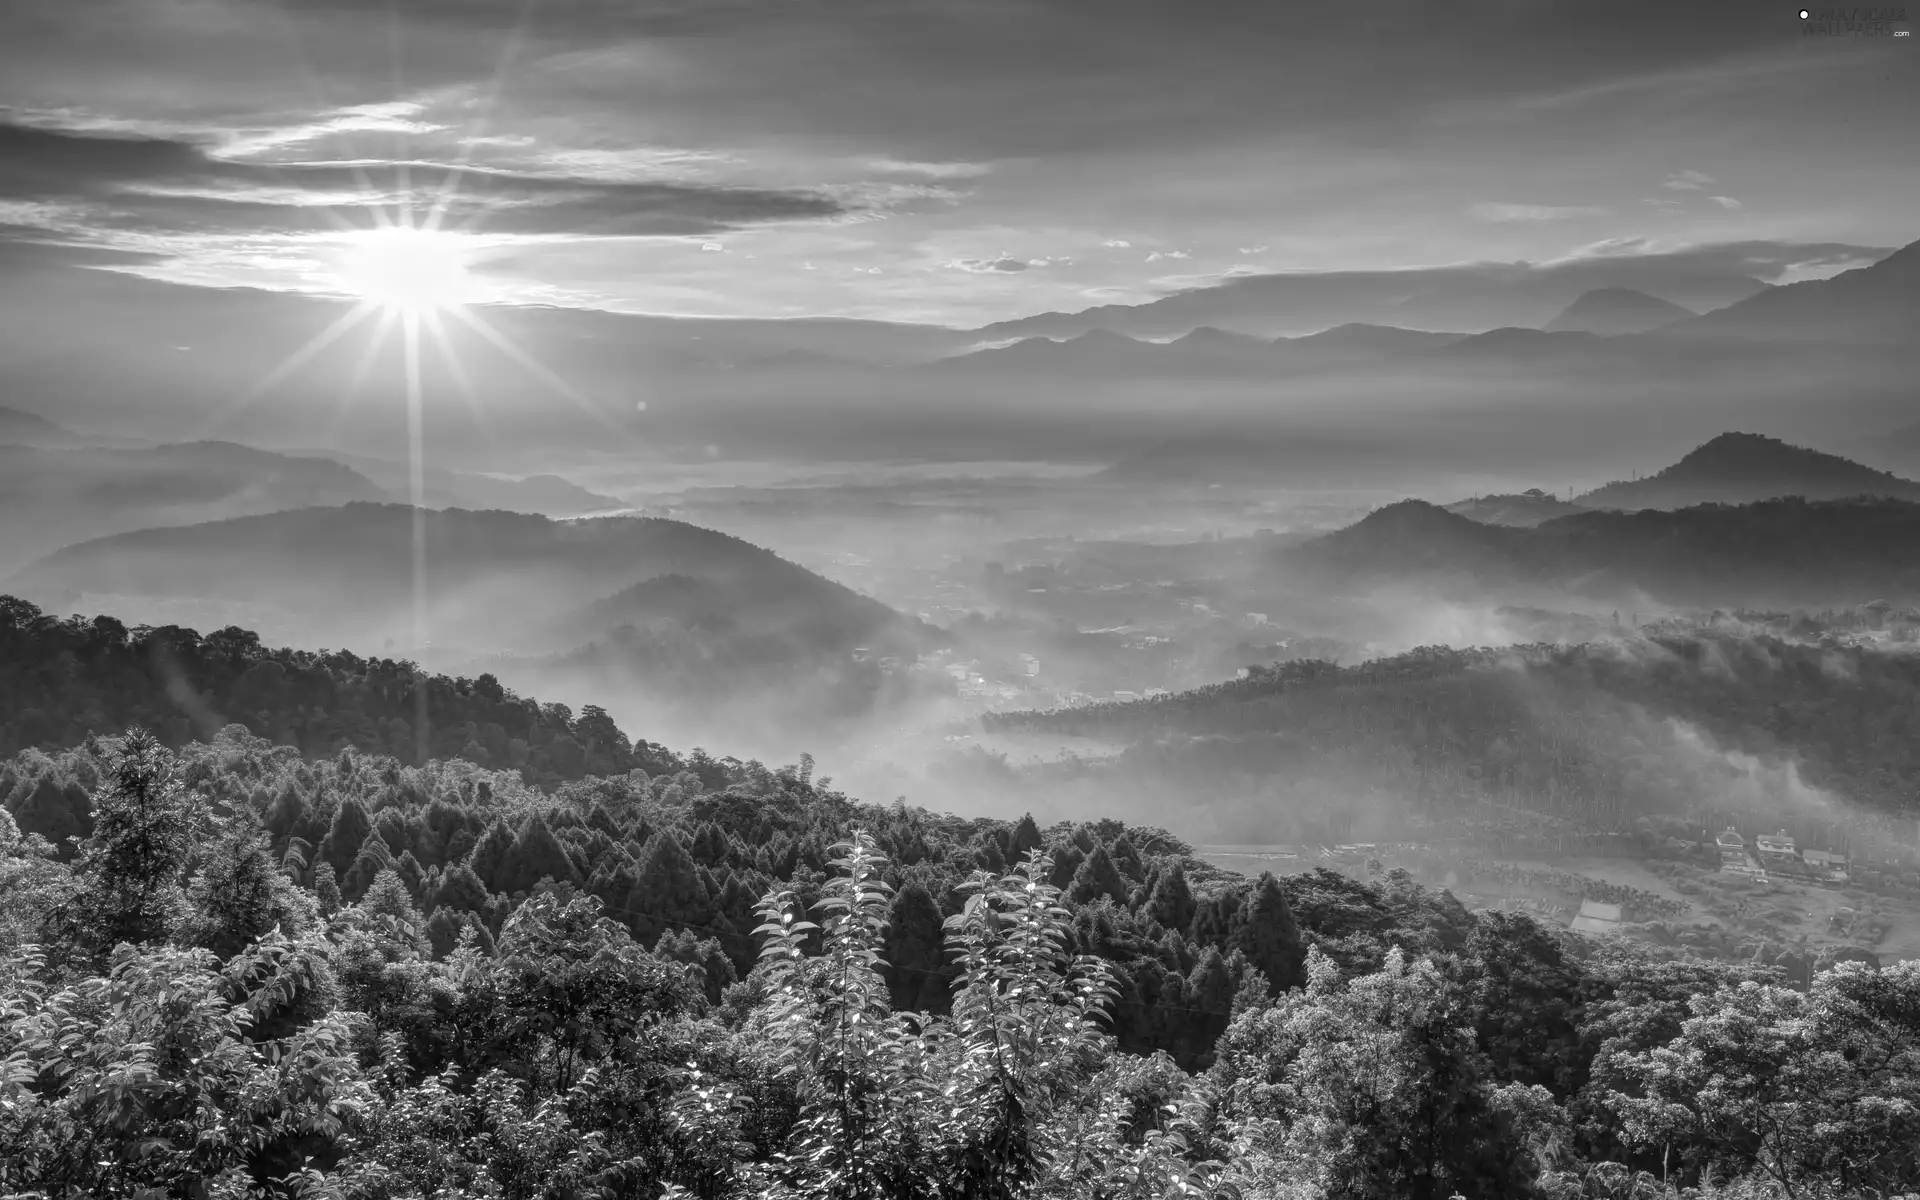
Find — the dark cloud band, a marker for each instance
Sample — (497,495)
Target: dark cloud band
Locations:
(162,185)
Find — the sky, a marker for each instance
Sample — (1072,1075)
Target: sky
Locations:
(947,161)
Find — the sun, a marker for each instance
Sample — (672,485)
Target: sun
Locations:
(406,270)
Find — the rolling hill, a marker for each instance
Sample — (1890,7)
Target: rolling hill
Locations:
(57,495)
(345,575)
(1775,552)
(1519,509)
(1739,468)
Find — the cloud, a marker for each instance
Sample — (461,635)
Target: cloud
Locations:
(1117,244)
(1725,201)
(182,185)
(930,170)
(1687,181)
(1254,249)
(1496,212)
(982,266)
(1157,255)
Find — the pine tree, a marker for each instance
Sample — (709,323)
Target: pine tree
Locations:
(387,897)
(345,836)
(915,952)
(536,854)
(489,858)
(460,890)
(1026,837)
(1171,901)
(327,888)
(1096,877)
(668,893)
(1265,931)
(238,895)
(134,862)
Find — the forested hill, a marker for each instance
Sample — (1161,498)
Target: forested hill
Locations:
(347,573)
(1781,552)
(372,979)
(1583,729)
(1739,468)
(62,681)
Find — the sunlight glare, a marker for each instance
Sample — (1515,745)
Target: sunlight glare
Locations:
(407,270)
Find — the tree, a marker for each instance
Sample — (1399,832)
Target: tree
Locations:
(1097,877)
(1026,836)
(133,864)
(1264,930)
(573,984)
(345,836)
(239,895)
(1816,1090)
(56,810)
(914,951)
(1028,1019)
(668,893)
(536,855)
(862,1079)
(1171,901)
(1364,1087)
(460,890)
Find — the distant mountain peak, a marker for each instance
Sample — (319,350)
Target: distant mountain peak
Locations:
(1614,311)
(1740,468)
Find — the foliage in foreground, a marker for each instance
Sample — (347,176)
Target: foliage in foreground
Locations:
(180,1016)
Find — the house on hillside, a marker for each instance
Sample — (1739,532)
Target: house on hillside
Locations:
(1826,864)
(1775,848)
(1597,918)
(1733,848)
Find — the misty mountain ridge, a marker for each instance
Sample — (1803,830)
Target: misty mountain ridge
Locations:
(1782,552)
(19,427)
(346,573)
(56,495)
(1610,312)
(1739,468)
(1520,509)
(1874,304)
(544,495)
(1103,353)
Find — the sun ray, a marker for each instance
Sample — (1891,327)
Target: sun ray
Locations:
(509,50)
(537,369)
(417,498)
(350,393)
(288,365)
(458,370)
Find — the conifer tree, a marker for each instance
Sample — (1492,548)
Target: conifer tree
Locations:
(915,951)
(133,864)
(238,895)
(1266,933)
(460,890)
(345,836)
(489,857)
(536,854)
(1096,877)
(1171,901)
